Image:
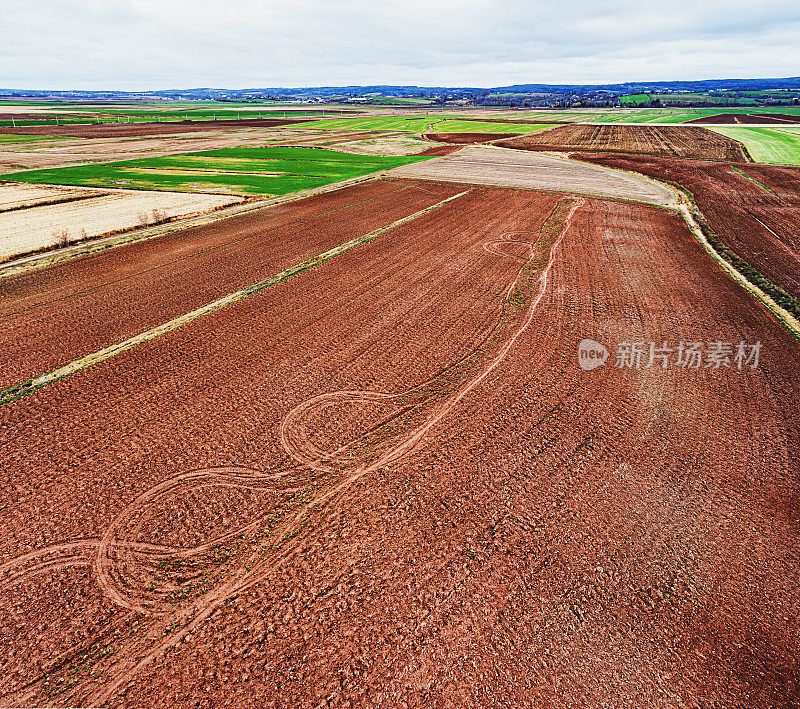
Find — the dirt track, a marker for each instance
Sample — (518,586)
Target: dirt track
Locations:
(557,538)
(753,209)
(668,141)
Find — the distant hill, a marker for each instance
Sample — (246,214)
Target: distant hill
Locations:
(631,87)
(644,86)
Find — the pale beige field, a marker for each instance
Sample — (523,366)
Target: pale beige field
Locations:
(17,195)
(489,165)
(40,227)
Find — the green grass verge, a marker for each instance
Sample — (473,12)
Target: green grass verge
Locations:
(252,171)
(753,180)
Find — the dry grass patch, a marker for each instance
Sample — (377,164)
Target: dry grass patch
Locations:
(486,165)
(47,226)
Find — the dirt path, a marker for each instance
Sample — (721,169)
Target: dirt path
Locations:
(492,165)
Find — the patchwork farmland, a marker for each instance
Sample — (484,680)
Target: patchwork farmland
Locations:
(427,124)
(332,444)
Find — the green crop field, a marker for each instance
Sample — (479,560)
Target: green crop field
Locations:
(635,99)
(778,146)
(423,124)
(250,171)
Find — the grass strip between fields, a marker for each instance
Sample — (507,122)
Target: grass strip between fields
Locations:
(17,391)
(783,305)
(753,180)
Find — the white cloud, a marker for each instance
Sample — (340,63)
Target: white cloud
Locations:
(148,44)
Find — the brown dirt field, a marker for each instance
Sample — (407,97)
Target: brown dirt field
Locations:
(668,141)
(440,150)
(748,118)
(466,138)
(554,538)
(131,130)
(759,225)
(53,316)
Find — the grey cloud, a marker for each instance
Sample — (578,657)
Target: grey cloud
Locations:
(138,44)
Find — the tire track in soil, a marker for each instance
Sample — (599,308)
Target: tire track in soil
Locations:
(109,554)
(244,578)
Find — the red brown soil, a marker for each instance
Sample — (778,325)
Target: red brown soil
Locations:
(467,138)
(132,130)
(751,118)
(668,141)
(759,225)
(440,150)
(55,315)
(558,538)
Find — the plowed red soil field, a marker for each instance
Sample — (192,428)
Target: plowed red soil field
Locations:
(130,130)
(668,141)
(751,118)
(386,482)
(439,150)
(754,209)
(52,316)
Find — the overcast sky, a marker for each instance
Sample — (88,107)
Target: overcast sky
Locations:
(158,44)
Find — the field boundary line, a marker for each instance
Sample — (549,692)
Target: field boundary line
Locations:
(17,391)
(784,316)
(752,179)
(45,259)
(693,217)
